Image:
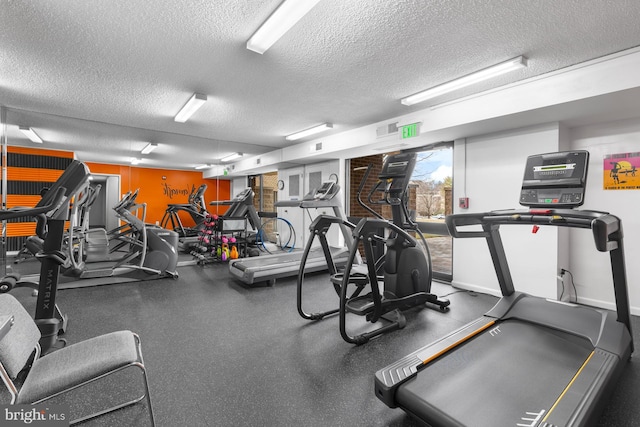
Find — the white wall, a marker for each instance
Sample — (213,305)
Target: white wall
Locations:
(590,268)
(494,170)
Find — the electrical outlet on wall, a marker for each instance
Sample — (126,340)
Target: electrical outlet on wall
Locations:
(463,203)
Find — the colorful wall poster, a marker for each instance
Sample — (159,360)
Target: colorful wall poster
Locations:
(621,171)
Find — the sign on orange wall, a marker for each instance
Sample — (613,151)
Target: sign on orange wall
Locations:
(161,187)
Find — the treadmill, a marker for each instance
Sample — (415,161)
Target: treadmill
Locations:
(529,361)
(268,268)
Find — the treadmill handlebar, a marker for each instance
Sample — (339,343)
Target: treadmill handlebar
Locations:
(322,223)
(607,228)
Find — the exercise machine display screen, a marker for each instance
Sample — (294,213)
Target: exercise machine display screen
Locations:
(555,179)
(325,190)
(398,165)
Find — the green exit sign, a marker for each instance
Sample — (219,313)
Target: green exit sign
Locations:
(410,131)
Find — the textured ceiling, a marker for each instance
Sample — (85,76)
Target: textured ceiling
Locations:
(103,78)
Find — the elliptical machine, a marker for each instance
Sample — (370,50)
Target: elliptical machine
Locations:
(150,249)
(399,279)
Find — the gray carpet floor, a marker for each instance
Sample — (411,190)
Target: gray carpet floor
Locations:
(219,353)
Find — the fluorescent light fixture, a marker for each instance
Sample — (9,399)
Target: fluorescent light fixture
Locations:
(149,148)
(192,105)
(135,161)
(31,134)
(285,16)
(469,79)
(310,131)
(231,157)
(203,166)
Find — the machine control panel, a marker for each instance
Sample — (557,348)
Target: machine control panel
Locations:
(321,197)
(326,191)
(555,180)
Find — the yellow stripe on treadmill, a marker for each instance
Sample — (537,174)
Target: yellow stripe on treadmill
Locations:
(460,341)
(568,386)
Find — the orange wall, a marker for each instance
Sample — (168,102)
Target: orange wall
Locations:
(160,187)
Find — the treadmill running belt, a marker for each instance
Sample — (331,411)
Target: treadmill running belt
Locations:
(496,379)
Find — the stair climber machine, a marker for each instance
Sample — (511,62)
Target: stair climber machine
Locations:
(528,361)
(137,251)
(51,213)
(405,281)
(268,268)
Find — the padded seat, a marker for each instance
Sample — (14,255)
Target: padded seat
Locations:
(78,363)
(67,368)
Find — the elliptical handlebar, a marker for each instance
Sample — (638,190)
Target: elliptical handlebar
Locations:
(383,201)
(361,187)
(128,200)
(122,201)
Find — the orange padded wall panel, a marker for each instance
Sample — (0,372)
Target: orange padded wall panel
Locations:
(29,170)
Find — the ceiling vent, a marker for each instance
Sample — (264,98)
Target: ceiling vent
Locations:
(387,130)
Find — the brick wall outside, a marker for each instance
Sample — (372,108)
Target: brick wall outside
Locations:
(448,200)
(356,176)
(269,195)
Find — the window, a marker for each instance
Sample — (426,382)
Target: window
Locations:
(433,182)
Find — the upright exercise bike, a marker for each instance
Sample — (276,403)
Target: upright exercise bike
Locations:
(51,214)
(401,278)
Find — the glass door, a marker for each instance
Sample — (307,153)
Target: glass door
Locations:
(433,182)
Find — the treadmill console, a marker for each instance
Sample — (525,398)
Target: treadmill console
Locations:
(243,195)
(327,191)
(555,180)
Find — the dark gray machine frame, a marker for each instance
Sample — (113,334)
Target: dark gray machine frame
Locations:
(268,268)
(529,361)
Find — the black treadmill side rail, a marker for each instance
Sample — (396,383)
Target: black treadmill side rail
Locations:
(607,234)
